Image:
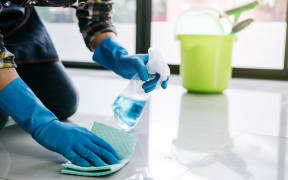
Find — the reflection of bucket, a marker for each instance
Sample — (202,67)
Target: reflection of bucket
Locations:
(206,62)
(203,123)
(203,129)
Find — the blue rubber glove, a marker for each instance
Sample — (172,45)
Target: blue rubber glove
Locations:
(152,84)
(75,143)
(113,56)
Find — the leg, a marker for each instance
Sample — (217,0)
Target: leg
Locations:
(3,119)
(51,84)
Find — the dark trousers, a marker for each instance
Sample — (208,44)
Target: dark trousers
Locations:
(51,84)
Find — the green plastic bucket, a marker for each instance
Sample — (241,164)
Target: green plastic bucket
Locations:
(206,62)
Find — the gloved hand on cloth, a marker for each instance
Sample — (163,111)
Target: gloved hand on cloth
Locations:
(75,143)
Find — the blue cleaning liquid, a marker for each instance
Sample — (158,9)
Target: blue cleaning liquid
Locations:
(128,111)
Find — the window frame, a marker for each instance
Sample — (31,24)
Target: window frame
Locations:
(143,42)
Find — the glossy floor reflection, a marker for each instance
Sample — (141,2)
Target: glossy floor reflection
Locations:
(238,135)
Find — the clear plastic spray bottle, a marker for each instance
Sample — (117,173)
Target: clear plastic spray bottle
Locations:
(129,105)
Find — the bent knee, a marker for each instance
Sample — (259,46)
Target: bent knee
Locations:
(66,105)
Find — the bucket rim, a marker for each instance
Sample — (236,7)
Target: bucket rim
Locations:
(204,35)
(229,36)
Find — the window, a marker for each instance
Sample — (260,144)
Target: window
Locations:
(259,51)
(260,46)
(62,26)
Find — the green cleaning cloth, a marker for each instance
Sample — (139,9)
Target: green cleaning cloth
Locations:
(121,141)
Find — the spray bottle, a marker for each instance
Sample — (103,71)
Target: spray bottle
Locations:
(130,104)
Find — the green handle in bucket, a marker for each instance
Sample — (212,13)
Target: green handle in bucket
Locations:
(236,12)
(206,62)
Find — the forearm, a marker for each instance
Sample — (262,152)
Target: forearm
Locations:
(95,22)
(7,75)
(18,101)
(98,40)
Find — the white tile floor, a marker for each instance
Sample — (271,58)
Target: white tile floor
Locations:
(239,135)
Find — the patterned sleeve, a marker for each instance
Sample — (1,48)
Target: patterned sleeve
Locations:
(6,58)
(95,17)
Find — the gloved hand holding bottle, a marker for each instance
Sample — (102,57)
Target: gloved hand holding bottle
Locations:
(151,68)
(75,143)
(113,56)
